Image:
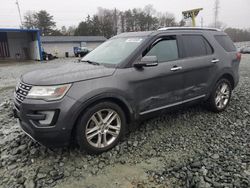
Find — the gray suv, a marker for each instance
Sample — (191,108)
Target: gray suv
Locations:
(128,78)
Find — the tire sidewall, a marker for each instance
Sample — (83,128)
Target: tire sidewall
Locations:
(82,123)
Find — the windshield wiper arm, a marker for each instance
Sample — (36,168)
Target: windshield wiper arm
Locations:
(91,62)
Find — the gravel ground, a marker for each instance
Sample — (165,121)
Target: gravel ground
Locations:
(191,147)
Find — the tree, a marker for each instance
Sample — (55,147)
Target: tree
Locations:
(238,35)
(166,20)
(41,20)
(55,32)
(71,30)
(150,19)
(219,25)
(109,22)
(44,22)
(29,20)
(182,23)
(64,30)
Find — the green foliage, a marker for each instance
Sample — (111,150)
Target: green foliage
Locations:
(44,22)
(41,20)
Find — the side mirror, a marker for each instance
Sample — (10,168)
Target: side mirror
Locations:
(147,61)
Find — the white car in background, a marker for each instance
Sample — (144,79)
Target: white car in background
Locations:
(245,50)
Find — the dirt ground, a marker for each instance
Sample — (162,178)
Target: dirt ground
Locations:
(192,147)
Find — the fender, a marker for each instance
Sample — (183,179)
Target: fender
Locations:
(83,103)
(224,71)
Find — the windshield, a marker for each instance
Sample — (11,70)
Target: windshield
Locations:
(114,51)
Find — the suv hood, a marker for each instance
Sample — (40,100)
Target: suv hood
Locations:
(67,74)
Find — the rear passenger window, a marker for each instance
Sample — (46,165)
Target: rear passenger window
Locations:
(225,42)
(196,45)
(165,50)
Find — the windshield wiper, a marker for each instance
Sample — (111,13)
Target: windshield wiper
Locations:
(91,62)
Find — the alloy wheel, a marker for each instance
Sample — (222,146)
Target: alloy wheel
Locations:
(222,95)
(103,128)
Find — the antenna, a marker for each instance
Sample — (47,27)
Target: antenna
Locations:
(18,7)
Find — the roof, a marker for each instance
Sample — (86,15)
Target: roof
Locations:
(17,30)
(172,30)
(58,39)
(188,28)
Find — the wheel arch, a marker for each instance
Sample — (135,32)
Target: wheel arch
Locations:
(229,77)
(125,106)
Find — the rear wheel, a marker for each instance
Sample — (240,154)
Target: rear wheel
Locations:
(220,96)
(101,127)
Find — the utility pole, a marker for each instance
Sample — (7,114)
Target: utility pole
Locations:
(18,7)
(216,12)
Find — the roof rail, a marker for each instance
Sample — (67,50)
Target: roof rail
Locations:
(188,28)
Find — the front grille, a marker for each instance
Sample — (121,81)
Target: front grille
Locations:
(22,91)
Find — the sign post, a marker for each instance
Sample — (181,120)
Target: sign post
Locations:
(191,14)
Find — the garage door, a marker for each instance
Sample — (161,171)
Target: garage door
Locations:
(4,47)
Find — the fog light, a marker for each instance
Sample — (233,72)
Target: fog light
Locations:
(48,119)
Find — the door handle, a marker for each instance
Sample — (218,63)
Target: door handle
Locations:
(215,61)
(176,68)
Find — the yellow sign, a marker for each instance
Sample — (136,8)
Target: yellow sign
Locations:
(191,14)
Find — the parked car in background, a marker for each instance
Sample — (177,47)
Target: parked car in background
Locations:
(128,78)
(46,56)
(245,50)
(81,51)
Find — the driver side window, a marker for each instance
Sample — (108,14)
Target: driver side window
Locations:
(164,49)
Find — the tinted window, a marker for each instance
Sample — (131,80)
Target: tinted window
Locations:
(196,45)
(225,42)
(165,50)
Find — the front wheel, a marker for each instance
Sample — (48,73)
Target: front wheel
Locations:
(220,96)
(101,127)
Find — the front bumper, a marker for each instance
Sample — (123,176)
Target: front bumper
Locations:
(59,132)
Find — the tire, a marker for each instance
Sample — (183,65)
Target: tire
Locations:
(219,100)
(100,121)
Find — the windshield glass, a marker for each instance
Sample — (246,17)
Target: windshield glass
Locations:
(114,51)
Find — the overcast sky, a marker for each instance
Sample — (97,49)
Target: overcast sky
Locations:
(234,13)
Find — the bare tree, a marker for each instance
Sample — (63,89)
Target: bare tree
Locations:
(29,20)
(71,30)
(166,20)
(64,30)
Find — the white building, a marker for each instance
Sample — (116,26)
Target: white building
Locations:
(59,45)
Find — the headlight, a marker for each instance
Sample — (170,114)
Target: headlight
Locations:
(48,92)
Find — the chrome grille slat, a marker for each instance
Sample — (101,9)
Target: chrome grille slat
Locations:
(22,91)
(22,95)
(18,100)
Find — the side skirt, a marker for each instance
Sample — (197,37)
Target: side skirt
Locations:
(172,105)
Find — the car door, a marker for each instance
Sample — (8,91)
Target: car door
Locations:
(199,66)
(158,87)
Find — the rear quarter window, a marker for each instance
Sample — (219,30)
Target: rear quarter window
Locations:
(225,42)
(196,45)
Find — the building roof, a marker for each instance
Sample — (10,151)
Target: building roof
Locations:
(58,39)
(17,30)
